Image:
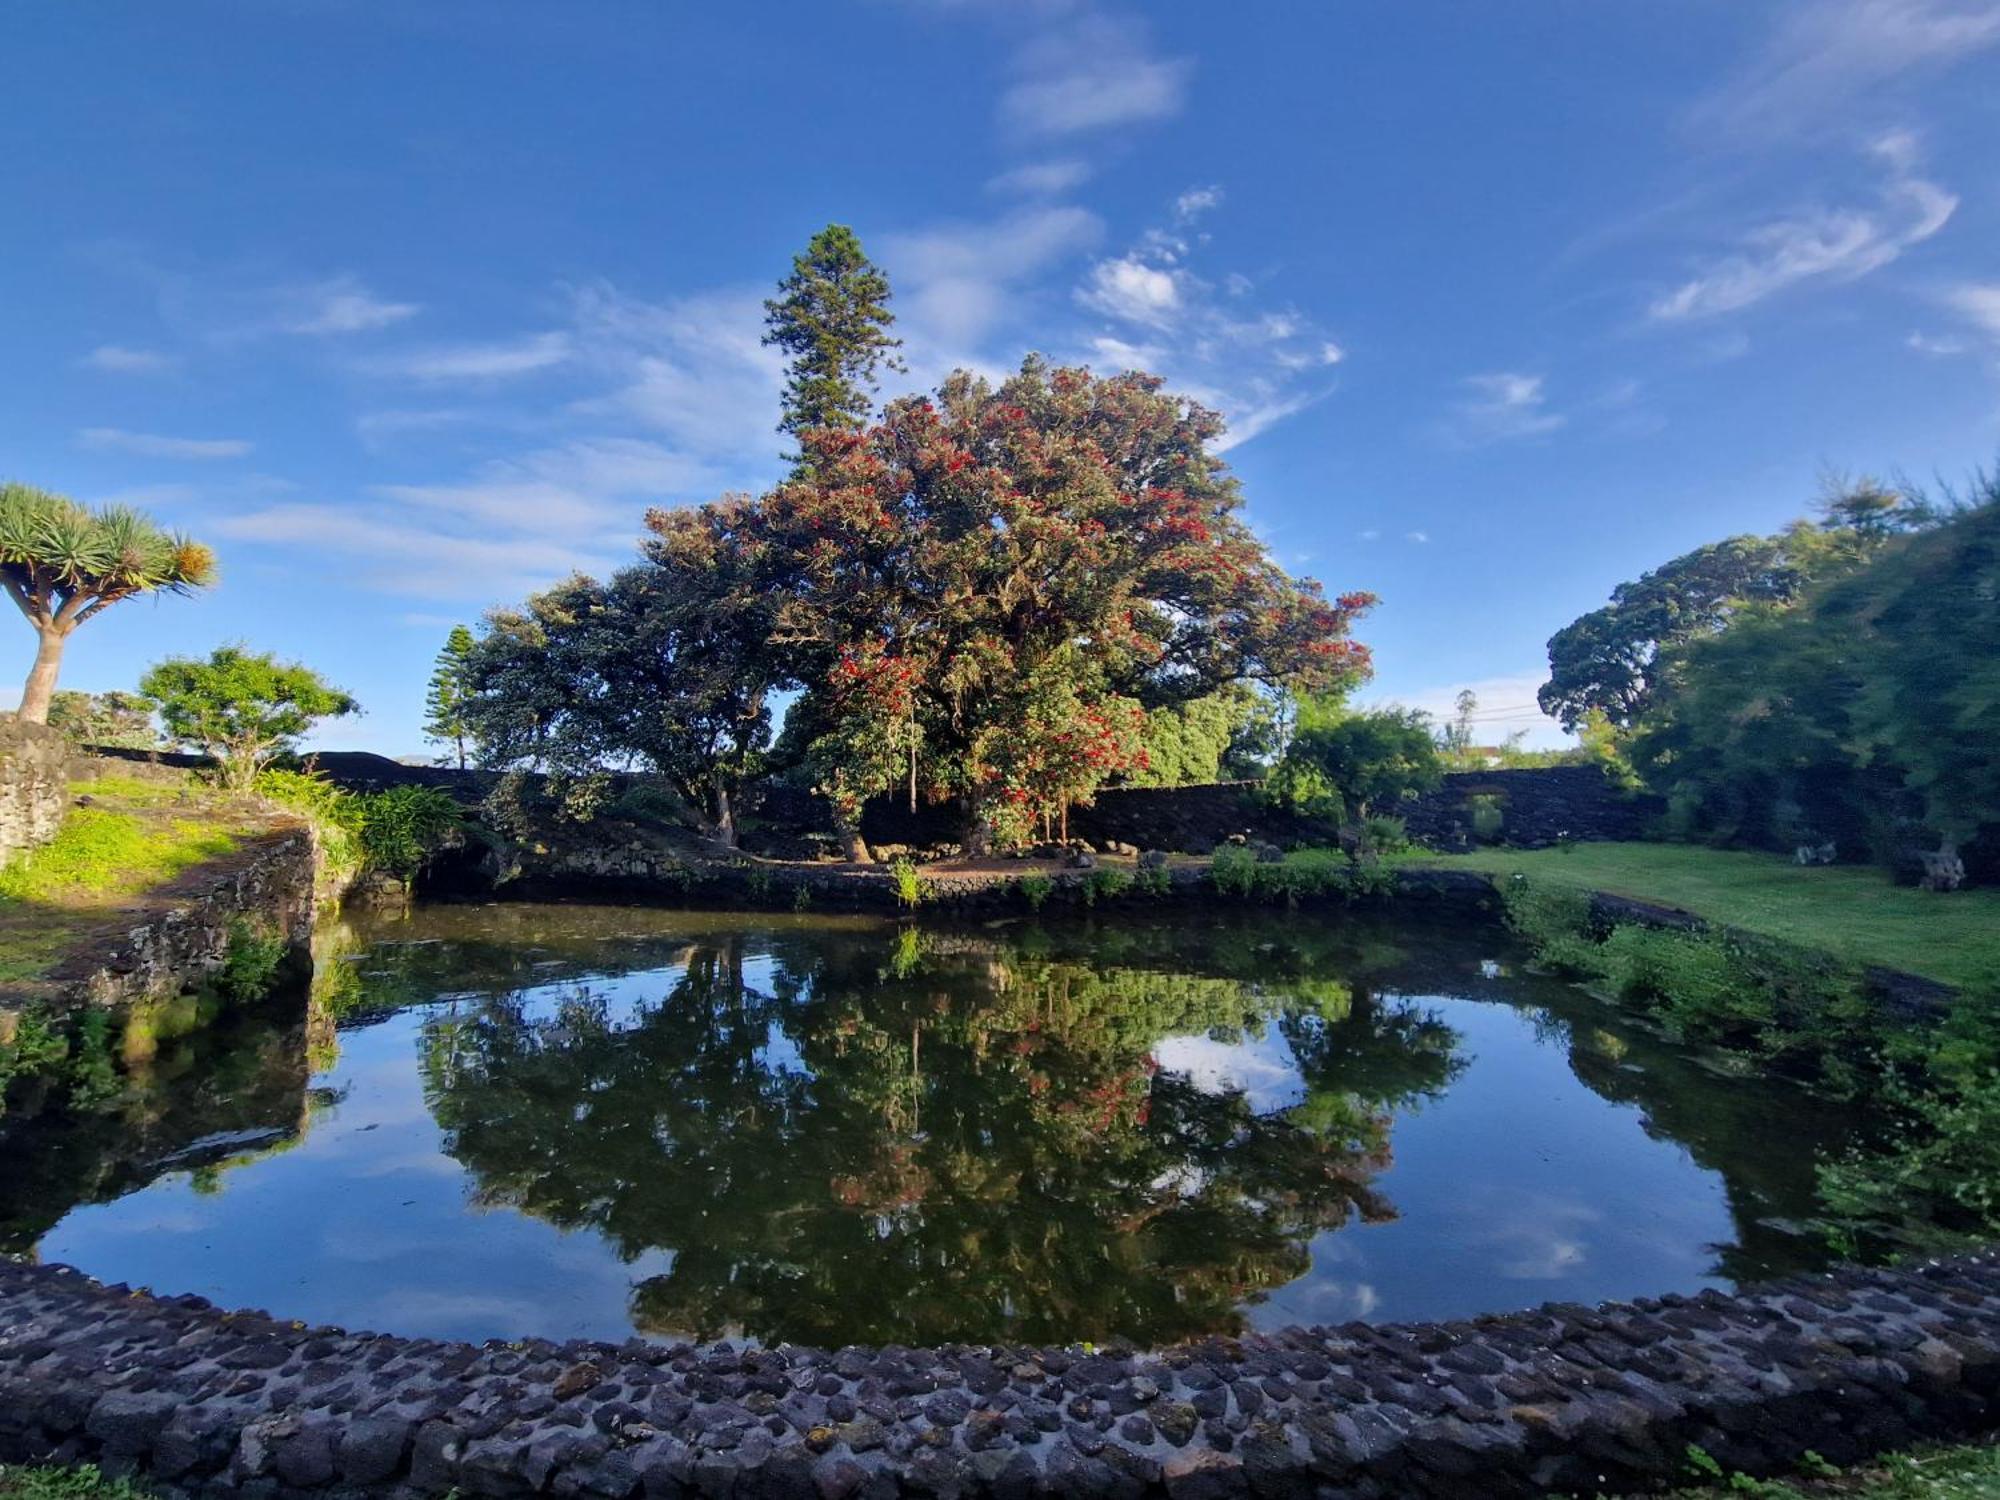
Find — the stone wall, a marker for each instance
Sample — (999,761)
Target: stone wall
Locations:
(1565,1399)
(268,883)
(34,784)
(1538,805)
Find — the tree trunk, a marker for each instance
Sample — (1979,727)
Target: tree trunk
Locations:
(725,815)
(41,685)
(853,848)
(461,752)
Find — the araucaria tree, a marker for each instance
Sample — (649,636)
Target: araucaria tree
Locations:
(445,721)
(62,563)
(831,316)
(240,707)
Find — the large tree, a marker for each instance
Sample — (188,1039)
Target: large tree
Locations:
(831,317)
(241,707)
(668,667)
(62,563)
(996,585)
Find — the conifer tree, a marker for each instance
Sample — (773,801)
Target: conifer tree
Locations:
(831,317)
(445,718)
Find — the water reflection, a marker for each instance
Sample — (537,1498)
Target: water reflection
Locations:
(574,1120)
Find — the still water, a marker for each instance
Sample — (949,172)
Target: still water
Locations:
(505,1120)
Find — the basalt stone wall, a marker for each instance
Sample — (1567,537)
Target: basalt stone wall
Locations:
(268,884)
(1564,1399)
(1537,805)
(34,785)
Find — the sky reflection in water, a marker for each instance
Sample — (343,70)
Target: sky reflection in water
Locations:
(583,1121)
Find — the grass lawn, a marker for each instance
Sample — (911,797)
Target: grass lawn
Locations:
(134,839)
(1850,910)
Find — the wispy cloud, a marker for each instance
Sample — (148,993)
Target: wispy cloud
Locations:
(1979,304)
(153,445)
(1132,291)
(116,359)
(1821,244)
(954,281)
(1091,74)
(501,360)
(1041,179)
(1827,58)
(1501,407)
(337,305)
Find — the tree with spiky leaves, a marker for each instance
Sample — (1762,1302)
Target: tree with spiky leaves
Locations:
(831,317)
(445,718)
(62,562)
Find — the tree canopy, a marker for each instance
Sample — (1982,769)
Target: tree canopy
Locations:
(831,316)
(241,707)
(63,563)
(445,719)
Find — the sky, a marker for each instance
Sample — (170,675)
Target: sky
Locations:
(411,309)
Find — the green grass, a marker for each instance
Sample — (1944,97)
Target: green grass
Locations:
(101,852)
(1971,1473)
(35,1482)
(1851,911)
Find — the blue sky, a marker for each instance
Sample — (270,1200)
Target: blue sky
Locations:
(413,308)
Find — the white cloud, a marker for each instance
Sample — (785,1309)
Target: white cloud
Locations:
(502,360)
(339,304)
(119,360)
(1091,75)
(152,445)
(954,281)
(1042,179)
(1940,345)
(1979,305)
(1128,289)
(1195,202)
(1419,537)
(1502,406)
(1822,244)
(1829,58)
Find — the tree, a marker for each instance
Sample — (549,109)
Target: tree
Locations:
(1458,733)
(1186,744)
(1366,763)
(62,563)
(1001,581)
(445,720)
(831,317)
(668,665)
(241,708)
(121,721)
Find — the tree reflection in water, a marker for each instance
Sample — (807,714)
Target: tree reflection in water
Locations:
(931,1137)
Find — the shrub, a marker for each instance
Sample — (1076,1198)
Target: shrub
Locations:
(403,827)
(1385,834)
(250,963)
(1234,870)
(1158,882)
(1488,816)
(1106,884)
(1035,890)
(909,884)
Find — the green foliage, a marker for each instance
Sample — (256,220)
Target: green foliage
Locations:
(395,831)
(99,851)
(402,827)
(251,962)
(121,721)
(1363,762)
(1185,744)
(909,884)
(32,1048)
(1035,890)
(446,721)
(831,317)
(62,563)
(1105,884)
(1489,816)
(1157,882)
(84,1482)
(1302,875)
(241,707)
(644,803)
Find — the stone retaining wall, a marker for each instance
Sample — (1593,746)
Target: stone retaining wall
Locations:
(34,784)
(269,884)
(1564,1399)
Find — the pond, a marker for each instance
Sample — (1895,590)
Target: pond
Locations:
(495,1121)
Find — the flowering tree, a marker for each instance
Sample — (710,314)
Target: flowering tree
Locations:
(984,591)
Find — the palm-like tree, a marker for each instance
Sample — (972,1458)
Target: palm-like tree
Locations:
(62,562)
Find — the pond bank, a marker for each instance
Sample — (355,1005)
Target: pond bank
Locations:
(1563,1399)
